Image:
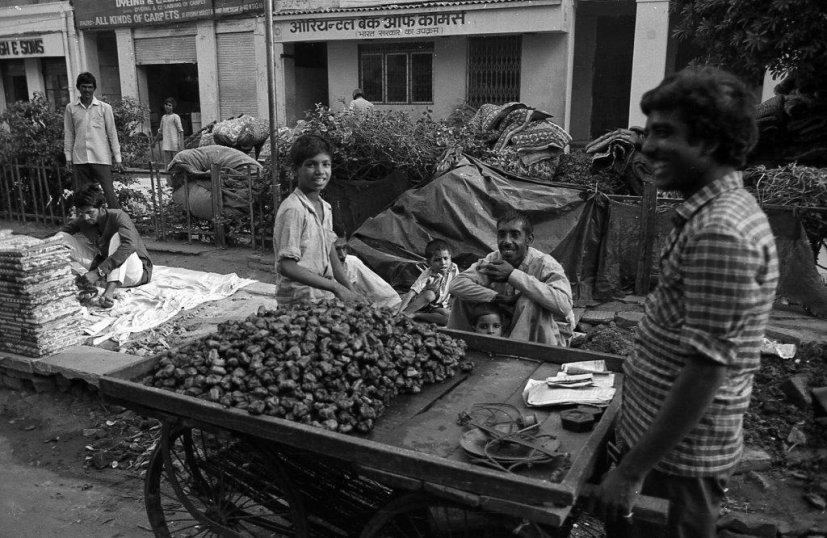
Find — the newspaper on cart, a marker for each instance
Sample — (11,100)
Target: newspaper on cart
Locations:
(587,383)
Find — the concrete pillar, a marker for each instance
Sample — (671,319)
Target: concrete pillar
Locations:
(143,95)
(649,58)
(207,50)
(343,71)
(126,63)
(281,80)
(73,52)
(450,74)
(34,76)
(260,43)
(89,60)
(569,15)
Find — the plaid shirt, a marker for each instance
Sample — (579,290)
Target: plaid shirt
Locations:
(718,277)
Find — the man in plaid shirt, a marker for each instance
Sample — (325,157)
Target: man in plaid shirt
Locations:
(688,384)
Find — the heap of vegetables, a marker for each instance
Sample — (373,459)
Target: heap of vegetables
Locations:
(326,364)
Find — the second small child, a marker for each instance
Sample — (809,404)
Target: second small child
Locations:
(171,132)
(428,299)
(488,319)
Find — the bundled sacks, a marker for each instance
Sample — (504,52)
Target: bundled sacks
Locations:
(244,132)
(524,139)
(197,163)
(39,312)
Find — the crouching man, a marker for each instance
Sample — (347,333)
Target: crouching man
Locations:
(107,244)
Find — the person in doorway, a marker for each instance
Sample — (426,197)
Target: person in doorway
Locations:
(428,299)
(689,381)
(529,286)
(90,140)
(487,319)
(360,105)
(307,265)
(107,244)
(365,281)
(171,132)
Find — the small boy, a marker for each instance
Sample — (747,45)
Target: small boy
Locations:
(303,239)
(429,300)
(488,319)
(170,132)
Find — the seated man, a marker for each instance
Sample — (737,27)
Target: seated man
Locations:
(108,245)
(530,287)
(365,281)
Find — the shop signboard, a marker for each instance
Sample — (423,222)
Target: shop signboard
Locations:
(31,46)
(226,8)
(96,14)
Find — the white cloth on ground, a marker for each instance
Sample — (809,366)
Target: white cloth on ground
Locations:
(171,290)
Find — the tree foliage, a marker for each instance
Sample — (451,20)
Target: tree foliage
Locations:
(750,36)
(32,131)
(129,116)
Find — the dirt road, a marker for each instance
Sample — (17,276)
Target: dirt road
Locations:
(46,489)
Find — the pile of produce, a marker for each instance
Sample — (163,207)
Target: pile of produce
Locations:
(326,364)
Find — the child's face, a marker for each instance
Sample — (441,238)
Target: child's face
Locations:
(489,324)
(440,261)
(168,108)
(314,173)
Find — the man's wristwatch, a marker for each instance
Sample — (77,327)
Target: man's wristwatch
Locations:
(100,272)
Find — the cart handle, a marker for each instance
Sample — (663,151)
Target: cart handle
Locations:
(650,509)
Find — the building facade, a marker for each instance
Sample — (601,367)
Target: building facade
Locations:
(39,51)
(586,62)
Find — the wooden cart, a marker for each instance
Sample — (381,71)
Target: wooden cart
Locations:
(224,472)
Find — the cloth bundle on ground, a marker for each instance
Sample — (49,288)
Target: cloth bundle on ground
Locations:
(197,163)
(527,141)
(619,151)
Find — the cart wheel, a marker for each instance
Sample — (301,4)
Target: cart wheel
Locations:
(167,516)
(229,485)
(421,516)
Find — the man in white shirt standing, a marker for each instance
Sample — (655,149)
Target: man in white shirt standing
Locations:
(90,140)
(360,105)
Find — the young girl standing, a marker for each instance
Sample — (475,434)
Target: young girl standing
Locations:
(171,133)
(307,265)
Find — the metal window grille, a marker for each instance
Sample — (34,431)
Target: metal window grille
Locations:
(397,73)
(494,70)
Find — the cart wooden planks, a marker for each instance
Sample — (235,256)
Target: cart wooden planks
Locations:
(415,444)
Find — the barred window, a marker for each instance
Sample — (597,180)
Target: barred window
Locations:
(494,70)
(397,73)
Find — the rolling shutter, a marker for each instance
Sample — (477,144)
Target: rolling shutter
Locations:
(236,74)
(165,50)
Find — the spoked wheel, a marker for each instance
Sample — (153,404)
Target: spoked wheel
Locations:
(421,516)
(167,516)
(230,486)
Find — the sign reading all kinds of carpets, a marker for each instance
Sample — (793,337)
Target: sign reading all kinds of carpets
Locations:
(136,13)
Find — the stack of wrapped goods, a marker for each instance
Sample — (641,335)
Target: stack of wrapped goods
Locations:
(39,313)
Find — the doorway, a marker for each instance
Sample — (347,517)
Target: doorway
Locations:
(310,61)
(179,81)
(15,87)
(612,82)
